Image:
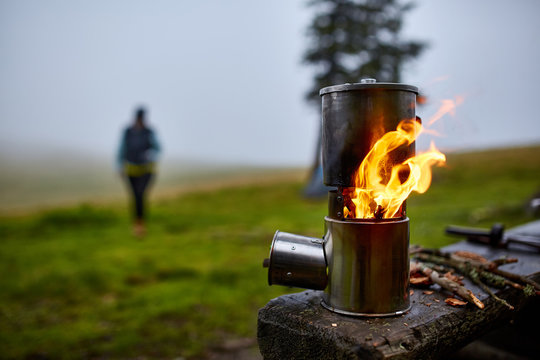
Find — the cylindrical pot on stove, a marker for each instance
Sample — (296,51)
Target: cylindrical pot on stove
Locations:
(354,117)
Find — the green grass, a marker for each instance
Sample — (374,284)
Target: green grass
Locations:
(76,284)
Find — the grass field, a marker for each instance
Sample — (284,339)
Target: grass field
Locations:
(76,284)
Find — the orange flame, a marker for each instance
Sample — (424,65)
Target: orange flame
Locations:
(377,197)
(448,106)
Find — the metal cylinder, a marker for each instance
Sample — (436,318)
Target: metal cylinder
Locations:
(368,267)
(354,117)
(297,261)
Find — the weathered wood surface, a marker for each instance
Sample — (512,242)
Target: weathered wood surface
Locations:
(296,326)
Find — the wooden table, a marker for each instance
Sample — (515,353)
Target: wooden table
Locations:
(296,326)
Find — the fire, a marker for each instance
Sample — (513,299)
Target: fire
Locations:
(380,190)
(448,107)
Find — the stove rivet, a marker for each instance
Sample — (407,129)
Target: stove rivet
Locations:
(293,248)
(340,198)
(339,214)
(289,274)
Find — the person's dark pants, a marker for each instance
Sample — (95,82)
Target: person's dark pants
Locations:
(138,186)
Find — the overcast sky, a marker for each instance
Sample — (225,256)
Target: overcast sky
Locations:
(224,82)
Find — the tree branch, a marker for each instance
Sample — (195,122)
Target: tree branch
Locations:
(447,284)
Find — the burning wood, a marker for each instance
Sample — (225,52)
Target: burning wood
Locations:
(381,187)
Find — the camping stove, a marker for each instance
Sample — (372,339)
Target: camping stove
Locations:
(362,264)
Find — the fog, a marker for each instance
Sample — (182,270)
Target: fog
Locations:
(224,81)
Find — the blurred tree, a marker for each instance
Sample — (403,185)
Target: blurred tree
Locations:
(351,40)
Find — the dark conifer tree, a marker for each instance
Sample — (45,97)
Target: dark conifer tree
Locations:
(352,39)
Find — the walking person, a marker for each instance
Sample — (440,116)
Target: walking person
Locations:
(137,156)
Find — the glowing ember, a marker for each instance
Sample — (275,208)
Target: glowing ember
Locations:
(380,191)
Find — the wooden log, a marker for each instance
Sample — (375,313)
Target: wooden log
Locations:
(296,326)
